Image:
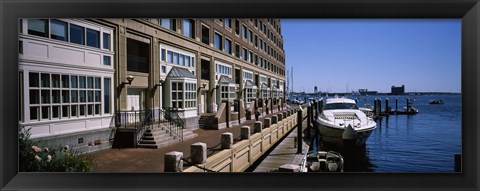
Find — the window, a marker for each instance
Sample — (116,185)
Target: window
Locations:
(249,36)
(93,38)
(205,35)
(77,34)
(45,80)
(228,46)
(177,94)
(106,95)
(33,79)
(189,28)
(224,92)
(106,41)
(175,58)
(265,93)
(59,96)
(138,56)
(164,69)
(59,30)
(20,47)
(222,69)
(163,54)
(106,60)
(249,94)
(237,50)
(217,41)
(250,57)
(237,27)
(244,32)
(21,96)
(170,57)
(179,58)
(244,54)
(228,23)
(187,61)
(38,27)
(256,40)
(232,93)
(190,95)
(168,23)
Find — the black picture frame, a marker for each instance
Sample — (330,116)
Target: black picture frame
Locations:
(467,10)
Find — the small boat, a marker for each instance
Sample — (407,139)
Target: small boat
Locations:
(324,161)
(342,119)
(407,111)
(436,101)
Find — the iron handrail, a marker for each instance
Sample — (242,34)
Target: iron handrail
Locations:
(147,120)
(142,120)
(176,124)
(164,120)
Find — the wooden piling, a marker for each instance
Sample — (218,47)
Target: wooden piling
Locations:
(299,131)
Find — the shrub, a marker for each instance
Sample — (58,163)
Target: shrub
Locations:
(37,158)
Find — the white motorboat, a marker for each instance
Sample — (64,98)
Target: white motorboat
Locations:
(323,161)
(341,120)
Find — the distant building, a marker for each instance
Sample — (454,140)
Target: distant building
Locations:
(365,92)
(398,90)
(315,89)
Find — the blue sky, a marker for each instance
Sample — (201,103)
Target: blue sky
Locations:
(340,54)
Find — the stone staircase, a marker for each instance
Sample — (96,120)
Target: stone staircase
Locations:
(206,120)
(158,137)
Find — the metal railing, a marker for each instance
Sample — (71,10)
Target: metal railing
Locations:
(130,119)
(176,124)
(143,120)
(138,120)
(146,123)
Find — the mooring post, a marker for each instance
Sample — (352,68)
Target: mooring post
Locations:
(309,119)
(299,131)
(408,105)
(396,104)
(173,161)
(245,132)
(320,106)
(257,127)
(375,106)
(226,140)
(380,106)
(198,153)
(387,111)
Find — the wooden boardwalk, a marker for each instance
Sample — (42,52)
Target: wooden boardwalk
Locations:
(284,153)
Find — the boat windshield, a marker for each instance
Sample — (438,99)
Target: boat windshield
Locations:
(340,106)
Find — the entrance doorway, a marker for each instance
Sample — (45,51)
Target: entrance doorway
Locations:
(136,99)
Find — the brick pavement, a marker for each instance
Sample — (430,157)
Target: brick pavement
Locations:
(152,160)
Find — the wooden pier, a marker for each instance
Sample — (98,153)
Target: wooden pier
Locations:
(284,153)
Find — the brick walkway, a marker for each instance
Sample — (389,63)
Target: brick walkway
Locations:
(151,160)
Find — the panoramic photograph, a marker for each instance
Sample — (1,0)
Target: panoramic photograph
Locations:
(239,95)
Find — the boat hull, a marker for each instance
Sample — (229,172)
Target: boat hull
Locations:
(332,137)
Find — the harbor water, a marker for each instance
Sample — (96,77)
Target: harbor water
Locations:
(424,142)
